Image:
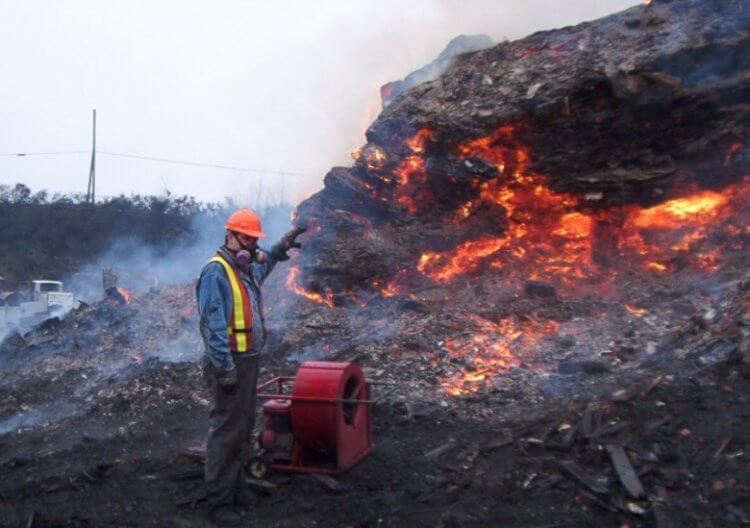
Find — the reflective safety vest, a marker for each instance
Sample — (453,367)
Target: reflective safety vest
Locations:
(240,328)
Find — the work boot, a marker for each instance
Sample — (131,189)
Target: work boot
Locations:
(226,516)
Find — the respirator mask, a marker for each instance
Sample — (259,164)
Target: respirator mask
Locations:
(249,253)
(246,256)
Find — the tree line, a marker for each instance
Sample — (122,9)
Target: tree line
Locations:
(49,236)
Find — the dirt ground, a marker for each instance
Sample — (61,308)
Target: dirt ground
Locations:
(96,430)
(688,437)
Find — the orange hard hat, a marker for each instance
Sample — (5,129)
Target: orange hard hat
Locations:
(246,222)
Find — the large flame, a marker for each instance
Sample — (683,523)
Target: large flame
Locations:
(316,297)
(546,236)
(543,229)
(551,237)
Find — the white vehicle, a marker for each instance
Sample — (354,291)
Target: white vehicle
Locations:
(45,298)
(52,295)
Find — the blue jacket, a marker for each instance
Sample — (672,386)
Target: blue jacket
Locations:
(214,295)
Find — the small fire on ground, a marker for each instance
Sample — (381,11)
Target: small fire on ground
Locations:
(491,348)
(126,295)
(321,298)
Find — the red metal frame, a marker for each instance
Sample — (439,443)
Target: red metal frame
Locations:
(281,383)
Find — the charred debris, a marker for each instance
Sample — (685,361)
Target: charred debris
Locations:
(545,246)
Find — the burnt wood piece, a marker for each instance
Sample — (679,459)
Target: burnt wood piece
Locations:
(574,471)
(625,470)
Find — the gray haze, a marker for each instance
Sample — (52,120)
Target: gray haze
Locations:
(284,85)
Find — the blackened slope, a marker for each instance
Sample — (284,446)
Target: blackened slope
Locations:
(646,95)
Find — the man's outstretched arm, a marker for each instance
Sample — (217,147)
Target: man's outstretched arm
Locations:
(278,253)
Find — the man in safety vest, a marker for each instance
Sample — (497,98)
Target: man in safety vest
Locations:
(232,327)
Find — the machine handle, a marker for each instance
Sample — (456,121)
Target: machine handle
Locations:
(280,380)
(380,397)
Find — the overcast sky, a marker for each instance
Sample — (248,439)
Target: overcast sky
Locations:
(281,85)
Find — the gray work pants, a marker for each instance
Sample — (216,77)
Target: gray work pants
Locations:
(230,428)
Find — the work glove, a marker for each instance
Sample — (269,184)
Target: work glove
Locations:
(227,380)
(287,242)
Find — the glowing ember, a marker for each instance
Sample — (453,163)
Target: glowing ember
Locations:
(638,312)
(466,258)
(544,234)
(126,295)
(682,225)
(389,290)
(411,174)
(375,158)
(549,238)
(356,300)
(411,177)
(491,349)
(319,298)
(657,267)
(696,209)
(417,142)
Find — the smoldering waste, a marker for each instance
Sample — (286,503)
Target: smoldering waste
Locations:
(546,247)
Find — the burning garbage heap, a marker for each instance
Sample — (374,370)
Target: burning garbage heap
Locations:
(551,221)
(570,174)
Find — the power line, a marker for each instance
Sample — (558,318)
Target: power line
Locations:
(200,164)
(63,152)
(160,160)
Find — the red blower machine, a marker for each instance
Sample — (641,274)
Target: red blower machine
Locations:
(319,421)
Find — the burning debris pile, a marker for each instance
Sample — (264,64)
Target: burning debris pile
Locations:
(578,164)
(545,248)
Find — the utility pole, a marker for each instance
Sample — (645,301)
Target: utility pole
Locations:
(91,191)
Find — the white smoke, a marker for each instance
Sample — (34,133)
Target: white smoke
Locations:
(273,85)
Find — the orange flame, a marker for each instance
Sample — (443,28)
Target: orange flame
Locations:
(418,141)
(549,236)
(375,158)
(699,208)
(549,239)
(656,267)
(679,227)
(542,229)
(411,174)
(388,290)
(125,294)
(633,310)
(491,349)
(464,259)
(319,298)
(411,177)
